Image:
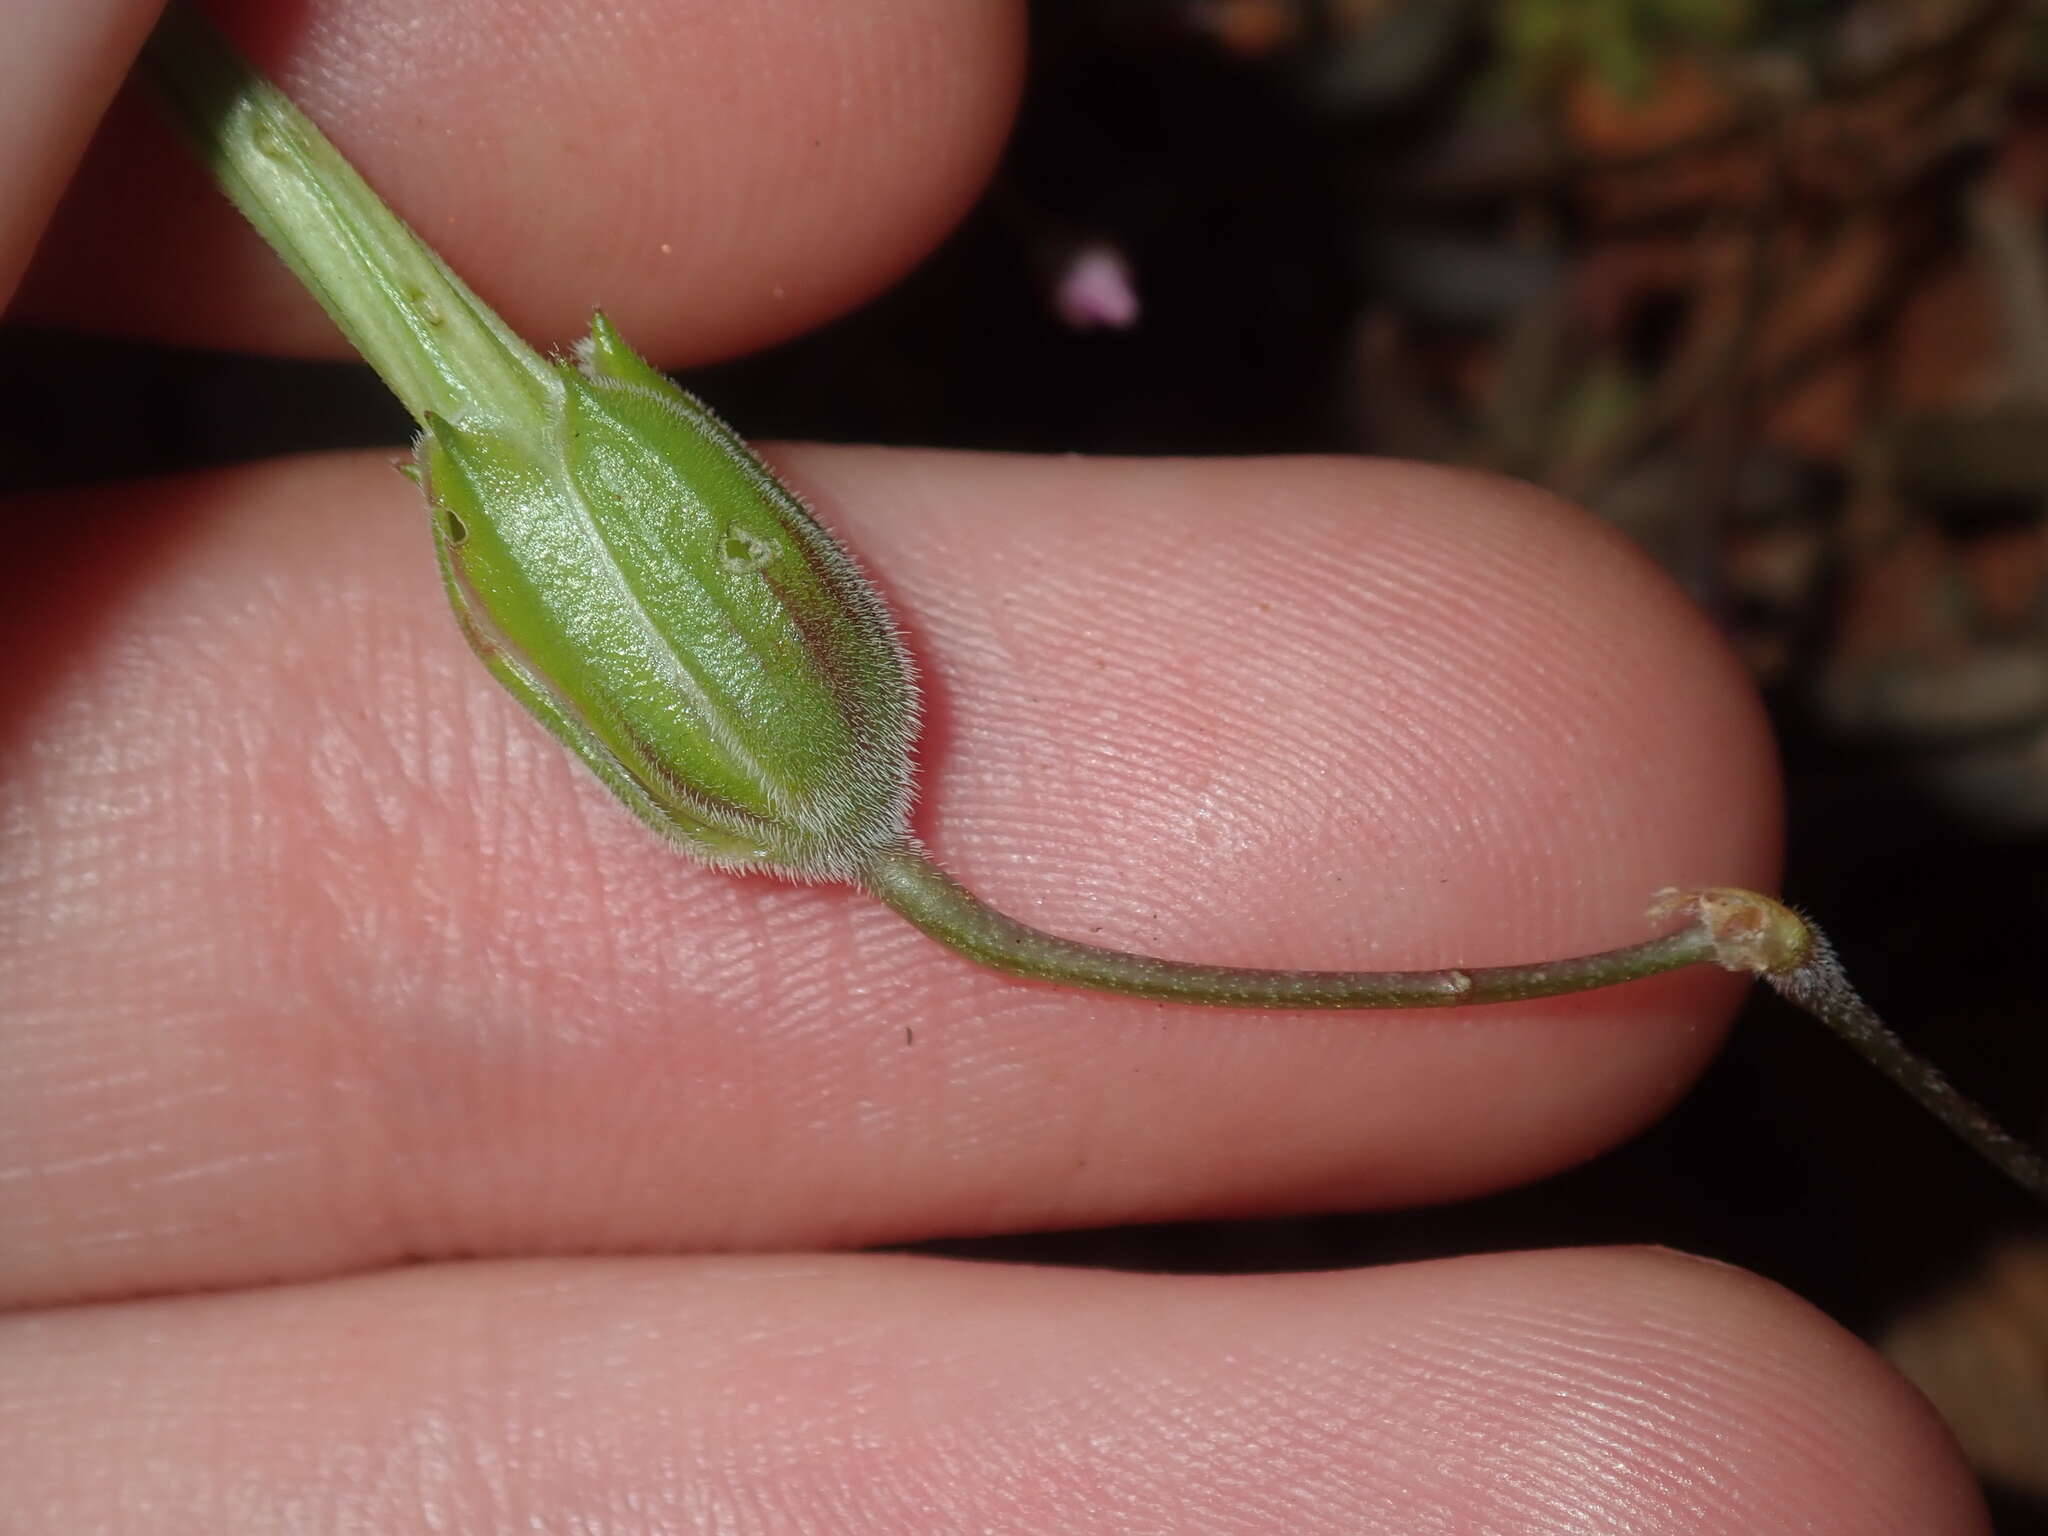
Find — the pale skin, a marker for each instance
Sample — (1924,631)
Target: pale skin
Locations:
(328,970)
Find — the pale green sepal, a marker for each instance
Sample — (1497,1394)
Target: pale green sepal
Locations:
(604,354)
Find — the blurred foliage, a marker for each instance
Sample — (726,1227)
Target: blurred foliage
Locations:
(1619,41)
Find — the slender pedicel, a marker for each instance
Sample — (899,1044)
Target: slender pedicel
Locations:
(935,903)
(638,579)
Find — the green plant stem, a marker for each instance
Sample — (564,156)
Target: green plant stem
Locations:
(437,346)
(941,907)
(1735,929)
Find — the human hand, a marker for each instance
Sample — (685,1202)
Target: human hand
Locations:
(331,971)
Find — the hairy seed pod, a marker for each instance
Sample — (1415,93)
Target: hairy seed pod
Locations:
(641,582)
(621,561)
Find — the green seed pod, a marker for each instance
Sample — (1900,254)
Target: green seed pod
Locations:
(620,560)
(641,582)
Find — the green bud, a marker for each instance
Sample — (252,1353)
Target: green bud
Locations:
(638,579)
(620,560)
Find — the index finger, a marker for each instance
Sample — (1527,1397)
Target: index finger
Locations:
(329,956)
(718,176)
(61,65)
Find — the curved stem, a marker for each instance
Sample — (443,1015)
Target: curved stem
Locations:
(1735,929)
(939,906)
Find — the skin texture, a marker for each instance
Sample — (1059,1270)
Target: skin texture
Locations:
(782,160)
(326,970)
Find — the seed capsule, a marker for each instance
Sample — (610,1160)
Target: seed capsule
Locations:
(641,582)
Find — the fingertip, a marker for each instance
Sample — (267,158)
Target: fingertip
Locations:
(60,68)
(1266,713)
(1317,713)
(1834,1438)
(1484,711)
(717,176)
(1581,1391)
